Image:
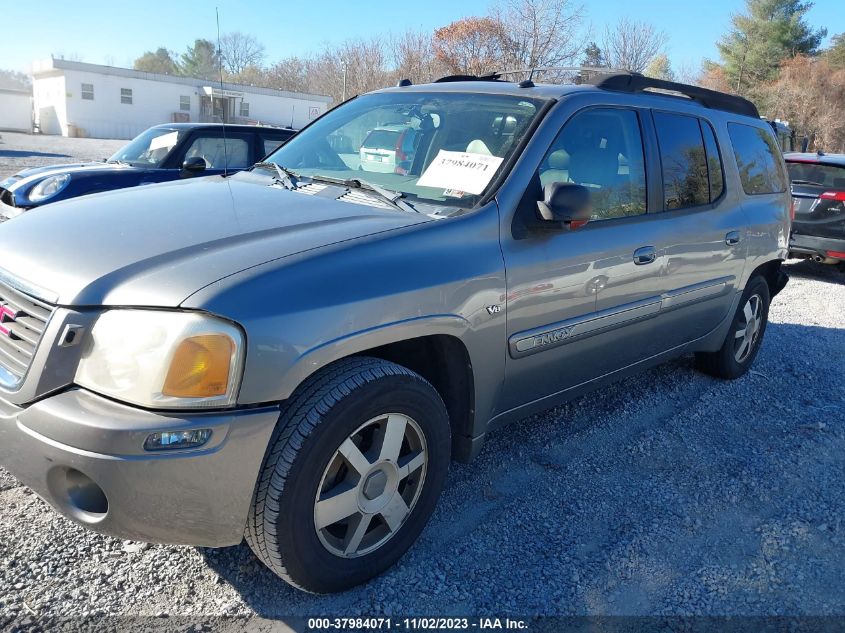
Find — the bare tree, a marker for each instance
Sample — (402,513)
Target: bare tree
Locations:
(540,32)
(810,94)
(239,51)
(473,46)
(631,45)
(413,57)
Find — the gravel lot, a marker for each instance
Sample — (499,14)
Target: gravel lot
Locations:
(669,493)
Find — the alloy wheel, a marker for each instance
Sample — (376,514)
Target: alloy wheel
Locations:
(748,332)
(371,485)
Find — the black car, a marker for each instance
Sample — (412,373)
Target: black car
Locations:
(818,198)
(162,153)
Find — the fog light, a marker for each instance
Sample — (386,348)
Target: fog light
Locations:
(176,439)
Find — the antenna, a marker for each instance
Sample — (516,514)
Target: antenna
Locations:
(220,66)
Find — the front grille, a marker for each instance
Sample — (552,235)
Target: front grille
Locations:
(23,320)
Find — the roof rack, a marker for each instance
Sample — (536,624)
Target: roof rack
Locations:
(450,78)
(635,82)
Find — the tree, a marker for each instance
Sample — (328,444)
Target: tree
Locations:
(161,61)
(539,33)
(287,74)
(472,46)
(835,55)
(201,60)
(593,56)
(631,45)
(810,94)
(414,58)
(14,80)
(660,68)
(239,51)
(768,33)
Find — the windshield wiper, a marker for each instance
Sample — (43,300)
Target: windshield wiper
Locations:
(284,176)
(807,182)
(393,198)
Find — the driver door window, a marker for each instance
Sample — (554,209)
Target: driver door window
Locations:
(602,150)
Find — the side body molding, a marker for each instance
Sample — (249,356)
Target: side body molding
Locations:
(562,332)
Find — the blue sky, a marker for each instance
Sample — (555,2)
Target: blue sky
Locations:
(117,32)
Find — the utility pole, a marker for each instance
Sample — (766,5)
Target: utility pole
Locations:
(343,61)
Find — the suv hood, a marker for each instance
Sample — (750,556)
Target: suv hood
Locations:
(157,245)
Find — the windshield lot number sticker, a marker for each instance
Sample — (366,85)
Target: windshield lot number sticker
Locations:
(461,171)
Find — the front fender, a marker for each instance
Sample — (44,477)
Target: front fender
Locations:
(302,312)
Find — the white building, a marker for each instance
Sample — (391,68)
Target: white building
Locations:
(78,99)
(15,110)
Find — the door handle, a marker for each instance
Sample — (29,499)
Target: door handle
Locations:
(733,238)
(645,255)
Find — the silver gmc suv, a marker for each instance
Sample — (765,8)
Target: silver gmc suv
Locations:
(294,353)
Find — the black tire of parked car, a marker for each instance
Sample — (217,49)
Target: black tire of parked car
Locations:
(314,422)
(723,363)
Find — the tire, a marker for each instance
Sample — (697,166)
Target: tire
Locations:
(309,458)
(731,361)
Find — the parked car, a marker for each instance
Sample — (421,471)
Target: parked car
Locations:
(389,148)
(161,153)
(296,352)
(818,195)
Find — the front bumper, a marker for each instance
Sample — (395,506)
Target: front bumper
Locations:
(84,455)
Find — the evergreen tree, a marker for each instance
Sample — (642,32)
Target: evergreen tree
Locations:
(769,32)
(835,55)
(593,57)
(161,61)
(201,60)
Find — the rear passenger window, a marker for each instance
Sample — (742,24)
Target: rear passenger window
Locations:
(714,161)
(685,179)
(758,159)
(271,145)
(601,149)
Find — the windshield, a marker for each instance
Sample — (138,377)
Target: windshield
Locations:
(149,148)
(440,148)
(825,175)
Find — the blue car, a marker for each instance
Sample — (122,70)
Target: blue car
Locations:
(161,153)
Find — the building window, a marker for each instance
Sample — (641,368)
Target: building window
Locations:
(88,92)
(185,102)
(126,95)
(244,108)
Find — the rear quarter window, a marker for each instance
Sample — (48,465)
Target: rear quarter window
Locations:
(758,159)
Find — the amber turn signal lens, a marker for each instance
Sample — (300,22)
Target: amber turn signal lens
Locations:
(200,367)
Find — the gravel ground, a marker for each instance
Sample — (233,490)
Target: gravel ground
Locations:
(670,493)
(22,151)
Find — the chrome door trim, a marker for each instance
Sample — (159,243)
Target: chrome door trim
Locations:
(696,292)
(560,333)
(556,334)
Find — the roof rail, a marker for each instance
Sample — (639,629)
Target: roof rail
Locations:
(450,78)
(570,69)
(635,82)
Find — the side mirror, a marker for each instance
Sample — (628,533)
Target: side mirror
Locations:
(566,205)
(194,164)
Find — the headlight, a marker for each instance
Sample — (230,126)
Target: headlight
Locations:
(48,187)
(159,359)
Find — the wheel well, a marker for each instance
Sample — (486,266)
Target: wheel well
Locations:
(444,362)
(770,271)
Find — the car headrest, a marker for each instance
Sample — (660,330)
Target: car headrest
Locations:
(559,160)
(478,147)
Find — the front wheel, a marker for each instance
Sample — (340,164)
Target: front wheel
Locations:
(352,475)
(744,336)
